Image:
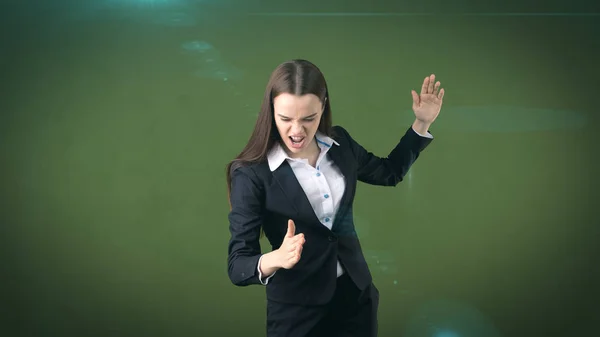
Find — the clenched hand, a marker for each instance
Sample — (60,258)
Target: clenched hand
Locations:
(291,248)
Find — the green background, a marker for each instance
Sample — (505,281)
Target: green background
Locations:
(117,119)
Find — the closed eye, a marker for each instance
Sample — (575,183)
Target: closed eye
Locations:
(306,119)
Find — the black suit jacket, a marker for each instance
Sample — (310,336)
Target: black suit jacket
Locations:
(260,197)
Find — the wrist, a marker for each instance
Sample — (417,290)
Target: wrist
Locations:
(421,127)
(270,263)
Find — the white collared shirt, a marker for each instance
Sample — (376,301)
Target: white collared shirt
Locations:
(323,184)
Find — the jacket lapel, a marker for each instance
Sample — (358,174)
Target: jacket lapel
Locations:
(286,179)
(341,160)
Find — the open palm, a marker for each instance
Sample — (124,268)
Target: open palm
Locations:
(428,103)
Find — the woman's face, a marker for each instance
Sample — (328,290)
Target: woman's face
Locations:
(297,119)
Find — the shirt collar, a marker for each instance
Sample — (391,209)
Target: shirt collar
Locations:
(277,155)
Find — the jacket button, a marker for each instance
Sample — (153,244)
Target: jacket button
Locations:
(243,274)
(331,238)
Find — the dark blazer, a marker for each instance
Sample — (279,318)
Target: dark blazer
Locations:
(260,197)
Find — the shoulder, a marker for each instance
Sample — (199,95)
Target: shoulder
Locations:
(342,136)
(339,133)
(254,172)
(338,130)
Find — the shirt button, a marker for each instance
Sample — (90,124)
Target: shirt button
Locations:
(327,219)
(326,196)
(318,174)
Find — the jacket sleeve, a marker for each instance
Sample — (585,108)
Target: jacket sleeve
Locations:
(388,171)
(245,221)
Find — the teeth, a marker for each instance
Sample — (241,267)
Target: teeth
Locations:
(297,139)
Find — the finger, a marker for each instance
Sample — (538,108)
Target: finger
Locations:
(431,83)
(294,248)
(299,238)
(436,88)
(441,94)
(294,257)
(297,243)
(425,85)
(293,253)
(297,247)
(415,98)
(291,229)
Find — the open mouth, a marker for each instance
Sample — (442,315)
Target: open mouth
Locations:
(297,141)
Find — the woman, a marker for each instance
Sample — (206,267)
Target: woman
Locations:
(295,181)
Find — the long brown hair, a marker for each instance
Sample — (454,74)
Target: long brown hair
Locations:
(297,77)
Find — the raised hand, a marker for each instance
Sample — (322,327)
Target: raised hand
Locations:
(291,248)
(428,103)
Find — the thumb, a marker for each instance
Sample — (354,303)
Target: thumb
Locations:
(415,98)
(291,229)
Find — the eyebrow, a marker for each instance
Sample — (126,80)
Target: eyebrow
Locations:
(313,115)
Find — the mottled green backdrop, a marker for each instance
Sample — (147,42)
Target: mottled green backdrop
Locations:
(117,118)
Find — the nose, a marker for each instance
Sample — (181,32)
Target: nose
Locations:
(297,127)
